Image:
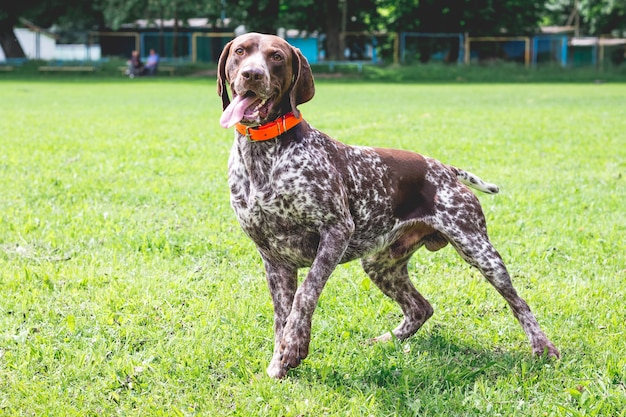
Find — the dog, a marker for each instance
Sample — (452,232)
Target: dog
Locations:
(307,200)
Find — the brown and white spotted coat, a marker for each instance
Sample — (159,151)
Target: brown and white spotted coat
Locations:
(307,200)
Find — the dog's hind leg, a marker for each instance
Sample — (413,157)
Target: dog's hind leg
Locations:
(473,244)
(392,277)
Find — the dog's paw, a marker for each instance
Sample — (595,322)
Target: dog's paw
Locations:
(293,350)
(276,369)
(546,348)
(383,338)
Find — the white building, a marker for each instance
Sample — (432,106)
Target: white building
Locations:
(39,44)
(36,44)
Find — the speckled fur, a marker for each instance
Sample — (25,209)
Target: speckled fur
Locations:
(307,200)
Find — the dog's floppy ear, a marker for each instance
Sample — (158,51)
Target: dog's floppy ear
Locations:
(302,88)
(221,76)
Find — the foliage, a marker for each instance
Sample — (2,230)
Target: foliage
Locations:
(72,15)
(400,15)
(11,10)
(478,17)
(117,12)
(257,15)
(605,17)
(596,17)
(129,289)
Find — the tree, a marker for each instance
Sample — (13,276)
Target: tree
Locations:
(307,15)
(329,17)
(118,12)
(9,15)
(398,15)
(591,17)
(73,15)
(477,17)
(256,15)
(70,15)
(178,10)
(332,28)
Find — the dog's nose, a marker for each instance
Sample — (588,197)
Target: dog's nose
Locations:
(252,74)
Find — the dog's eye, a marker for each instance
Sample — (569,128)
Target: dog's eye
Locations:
(277,57)
(239,51)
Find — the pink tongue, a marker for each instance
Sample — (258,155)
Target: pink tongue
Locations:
(235,110)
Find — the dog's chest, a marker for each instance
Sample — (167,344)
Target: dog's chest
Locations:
(284,194)
(275,197)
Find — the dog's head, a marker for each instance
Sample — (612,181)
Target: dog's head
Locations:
(267,77)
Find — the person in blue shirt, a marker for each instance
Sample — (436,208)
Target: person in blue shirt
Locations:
(152,63)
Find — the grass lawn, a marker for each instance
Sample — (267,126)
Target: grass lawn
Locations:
(127,287)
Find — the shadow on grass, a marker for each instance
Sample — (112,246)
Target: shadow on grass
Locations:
(423,370)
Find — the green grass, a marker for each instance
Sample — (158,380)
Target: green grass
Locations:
(127,287)
(499,72)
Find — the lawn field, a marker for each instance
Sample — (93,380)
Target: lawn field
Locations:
(127,287)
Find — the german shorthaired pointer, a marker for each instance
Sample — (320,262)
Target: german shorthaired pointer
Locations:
(307,200)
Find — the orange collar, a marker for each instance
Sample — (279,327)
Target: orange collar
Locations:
(270,130)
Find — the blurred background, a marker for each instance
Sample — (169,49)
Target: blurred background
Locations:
(528,32)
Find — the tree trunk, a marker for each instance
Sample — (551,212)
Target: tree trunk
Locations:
(333,24)
(8,41)
(453,54)
(267,17)
(161,50)
(175,36)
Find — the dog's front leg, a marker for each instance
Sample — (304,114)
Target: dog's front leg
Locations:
(296,334)
(283,283)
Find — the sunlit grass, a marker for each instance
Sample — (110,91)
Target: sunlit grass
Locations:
(128,288)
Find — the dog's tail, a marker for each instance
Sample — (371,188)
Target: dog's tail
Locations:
(475,182)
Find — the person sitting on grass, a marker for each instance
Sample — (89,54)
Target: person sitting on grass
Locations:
(152,63)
